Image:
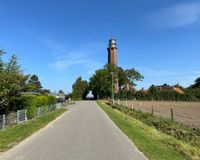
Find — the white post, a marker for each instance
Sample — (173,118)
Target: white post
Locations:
(38,112)
(26,115)
(132,105)
(3,121)
(118,102)
(18,116)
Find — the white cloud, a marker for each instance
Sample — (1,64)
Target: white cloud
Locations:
(83,57)
(65,57)
(56,47)
(76,59)
(179,15)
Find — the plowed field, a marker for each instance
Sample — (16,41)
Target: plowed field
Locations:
(187,113)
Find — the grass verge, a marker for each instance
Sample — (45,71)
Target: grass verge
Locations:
(167,126)
(15,134)
(154,144)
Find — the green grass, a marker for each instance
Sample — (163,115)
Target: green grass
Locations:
(15,134)
(154,144)
(167,126)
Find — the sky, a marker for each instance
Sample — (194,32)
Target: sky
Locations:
(60,40)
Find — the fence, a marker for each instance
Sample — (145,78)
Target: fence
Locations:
(41,111)
(13,118)
(2,121)
(21,115)
(187,113)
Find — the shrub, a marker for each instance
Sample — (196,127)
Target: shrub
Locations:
(32,102)
(159,95)
(29,102)
(42,101)
(51,100)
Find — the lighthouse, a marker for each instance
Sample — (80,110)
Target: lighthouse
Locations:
(112,52)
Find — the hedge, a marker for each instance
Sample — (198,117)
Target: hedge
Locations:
(32,102)
(157,96)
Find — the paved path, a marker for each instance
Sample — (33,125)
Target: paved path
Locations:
(84,133)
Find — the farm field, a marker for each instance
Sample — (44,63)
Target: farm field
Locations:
(187,113)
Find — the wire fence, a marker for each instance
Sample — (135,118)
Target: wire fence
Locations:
(12,119)
(189,116)
(20,116)
(2,121)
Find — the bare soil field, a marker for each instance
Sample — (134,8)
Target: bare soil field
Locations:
(187,113)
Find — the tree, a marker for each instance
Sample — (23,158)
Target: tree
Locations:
(132,75)
(101,81)
(80,89)
(61,92)
(196,83)
(45,91)
(34,84)
(100,84)
(11,81)
(194,89)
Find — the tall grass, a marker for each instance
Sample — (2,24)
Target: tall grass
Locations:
(155,144)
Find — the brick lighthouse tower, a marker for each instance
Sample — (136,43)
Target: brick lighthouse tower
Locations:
(112,59)
(112,52)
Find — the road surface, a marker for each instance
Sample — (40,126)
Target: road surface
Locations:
(83,133)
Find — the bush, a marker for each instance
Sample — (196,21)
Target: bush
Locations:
(41,101)
(51,100)
(29,102)
(32,102)
(158,96)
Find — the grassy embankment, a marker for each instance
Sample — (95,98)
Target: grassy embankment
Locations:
(15,134)
(153,143)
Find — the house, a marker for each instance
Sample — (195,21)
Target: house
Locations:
(167,87)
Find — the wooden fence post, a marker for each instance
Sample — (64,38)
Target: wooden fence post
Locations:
(118,102)
(132,105)
(172,114)
(152,111)
(140,105)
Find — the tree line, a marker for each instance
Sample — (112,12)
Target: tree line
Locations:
(101,82)
(101,86)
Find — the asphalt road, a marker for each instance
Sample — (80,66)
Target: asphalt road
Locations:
(84,133)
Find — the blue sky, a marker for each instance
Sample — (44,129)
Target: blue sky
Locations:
(59,40)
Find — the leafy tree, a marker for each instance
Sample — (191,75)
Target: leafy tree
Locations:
(100,84)
(11,80)
(61,92)
(80,89)
(153,90)
(101,81)
(34,84)
(196,83)
(132,75)
(45,91)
